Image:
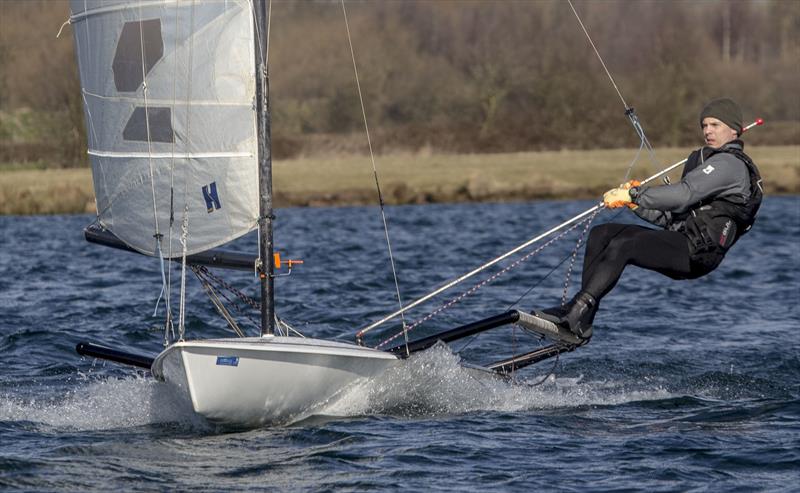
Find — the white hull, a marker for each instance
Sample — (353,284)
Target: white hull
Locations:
(257,380)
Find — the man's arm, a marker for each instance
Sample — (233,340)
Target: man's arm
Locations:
(721,175)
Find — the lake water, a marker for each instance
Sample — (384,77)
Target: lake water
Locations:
(685,385)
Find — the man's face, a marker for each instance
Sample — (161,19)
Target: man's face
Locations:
(717,133)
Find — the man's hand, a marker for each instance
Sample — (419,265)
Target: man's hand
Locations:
(620,196)
(617,197)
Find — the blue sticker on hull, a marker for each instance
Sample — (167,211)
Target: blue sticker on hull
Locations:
(227,361)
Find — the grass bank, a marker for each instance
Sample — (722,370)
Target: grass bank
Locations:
(412,178)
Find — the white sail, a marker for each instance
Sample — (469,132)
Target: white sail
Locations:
(169,90)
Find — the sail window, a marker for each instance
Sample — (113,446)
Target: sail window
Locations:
(160,120)
(139,47)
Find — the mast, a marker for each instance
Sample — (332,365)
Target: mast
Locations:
(265,249)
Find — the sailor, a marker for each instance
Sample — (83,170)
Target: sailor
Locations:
(700,218)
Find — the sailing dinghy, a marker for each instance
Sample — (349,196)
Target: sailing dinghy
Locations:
(176,104)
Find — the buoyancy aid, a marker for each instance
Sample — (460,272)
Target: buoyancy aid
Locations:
(713,226)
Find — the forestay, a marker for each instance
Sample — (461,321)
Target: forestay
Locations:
(168,90)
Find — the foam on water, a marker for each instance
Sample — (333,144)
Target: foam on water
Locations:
(428,384)
(434,382)
(105,404)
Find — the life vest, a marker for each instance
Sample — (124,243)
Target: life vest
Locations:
(714,225)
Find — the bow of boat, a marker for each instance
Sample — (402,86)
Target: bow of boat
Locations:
(266,379)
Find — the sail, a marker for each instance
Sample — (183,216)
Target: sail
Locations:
(168,90)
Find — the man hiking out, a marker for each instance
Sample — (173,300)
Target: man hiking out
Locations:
(701,217)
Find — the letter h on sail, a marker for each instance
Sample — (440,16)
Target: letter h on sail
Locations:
(211,197)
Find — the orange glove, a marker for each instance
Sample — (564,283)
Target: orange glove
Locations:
(617,197)
(628,186)
(620,196)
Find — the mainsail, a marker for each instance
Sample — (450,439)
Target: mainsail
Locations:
(169,90)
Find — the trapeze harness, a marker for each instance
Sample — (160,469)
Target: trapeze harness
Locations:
(716,224)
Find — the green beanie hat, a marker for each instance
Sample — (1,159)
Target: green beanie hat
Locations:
(726,111)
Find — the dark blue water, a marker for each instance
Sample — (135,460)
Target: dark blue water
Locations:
(688,385)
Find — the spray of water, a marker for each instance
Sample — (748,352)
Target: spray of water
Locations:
(435,382)
(109,403)
(428,384)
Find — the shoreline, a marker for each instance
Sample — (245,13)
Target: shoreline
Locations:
(344,180)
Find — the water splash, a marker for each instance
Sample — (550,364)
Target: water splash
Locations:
(105,404)
(434,383)
(431,383)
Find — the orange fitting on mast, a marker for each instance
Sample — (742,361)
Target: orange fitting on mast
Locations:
(277,262)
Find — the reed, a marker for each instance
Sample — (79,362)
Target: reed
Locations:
(413,178)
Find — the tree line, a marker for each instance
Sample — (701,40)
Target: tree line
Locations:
(457,76)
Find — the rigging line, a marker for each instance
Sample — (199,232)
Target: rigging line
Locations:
(374,170)
(262,58)
(263,54)
(476,287)
(92,134)
(158,237)
(597,53)
(168,325)
(540,281)
(214,295)
(187,141)
(574,257)
(483,267)
(629,111)
(528,291)
(636,157)
(550,373)
(147,126)
(644,142)
(182,311)
(269,32)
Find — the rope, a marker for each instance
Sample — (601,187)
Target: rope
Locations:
(216,284)
(221,282)
(91,131)
(629,111)
(597,53)
(182,311)
(164,287)
(187,140)
(263,57)
(157,235)
(375,173)
(168,325)
(213,293)
(486,281)
(574,256)
(549,373)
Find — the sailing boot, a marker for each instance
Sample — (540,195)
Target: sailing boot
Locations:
(580,316)
(555,314)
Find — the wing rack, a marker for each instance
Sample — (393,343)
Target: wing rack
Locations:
(563,340)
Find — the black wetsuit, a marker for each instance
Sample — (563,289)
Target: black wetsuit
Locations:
(611,247)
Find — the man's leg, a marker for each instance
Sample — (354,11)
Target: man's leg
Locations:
(611,247)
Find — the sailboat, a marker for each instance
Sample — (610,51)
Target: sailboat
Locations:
(176,101)
(157,79)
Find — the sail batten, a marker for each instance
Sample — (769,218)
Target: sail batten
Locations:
(169,97)
(177,155)
(175,102)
